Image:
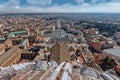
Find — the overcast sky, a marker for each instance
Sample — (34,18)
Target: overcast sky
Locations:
(38,6)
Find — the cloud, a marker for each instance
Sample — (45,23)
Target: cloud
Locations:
(79,1)
(13,6)
(39,2)
(93,1)
(99,1)
(101,8)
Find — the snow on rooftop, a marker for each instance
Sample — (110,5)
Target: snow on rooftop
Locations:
(67,70)
(89,73)
(64,71)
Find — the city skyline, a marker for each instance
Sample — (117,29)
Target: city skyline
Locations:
(59,6)
(56,40)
